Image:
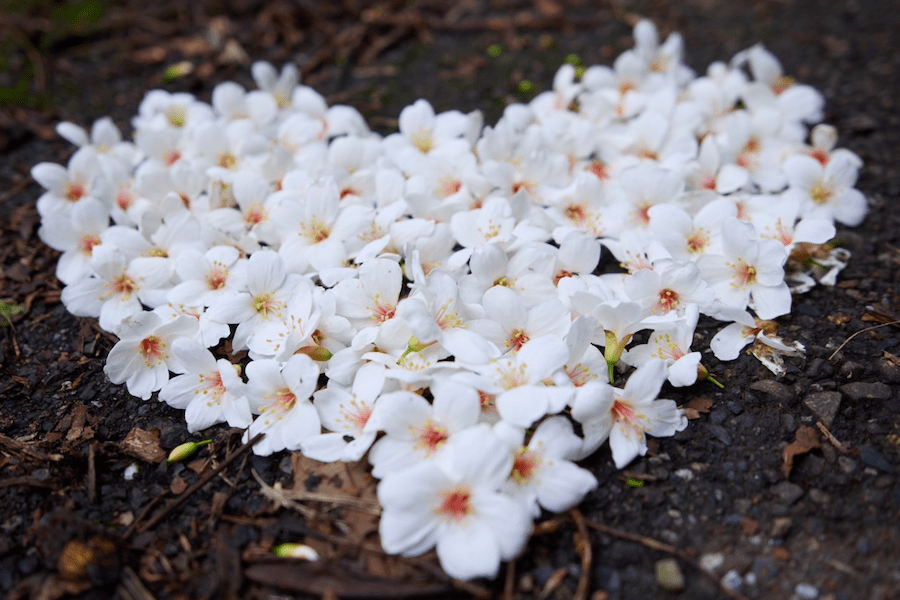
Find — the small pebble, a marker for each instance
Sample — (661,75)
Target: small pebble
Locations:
(720,433)
(787,492)
(669,575)
(732,580)
(776,390)
(867,391)
(873,458)
(824,406)
(806,591)
(685,474)
(711,562)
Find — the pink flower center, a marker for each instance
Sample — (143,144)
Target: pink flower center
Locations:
(455,503)
(123,284)
(217,276)
(697,241)
(598,169)
(449,186)
(88,242)
(316,231)
(255,214)
(170,158)
(357,415)
(708,182)
(642,214)
(668,301)
(562,274)
(431,437)
(265,305)
(383,312)
(623,412)
(580,375)
(744,274)
(227,160)
(74,191)
(525,465)
(488,401)
(820,155)
(517,339)
(576,213)
(152,349)
(211,384)
(124,199)
(284,400)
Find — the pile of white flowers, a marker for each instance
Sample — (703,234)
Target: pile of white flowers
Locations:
(430,299)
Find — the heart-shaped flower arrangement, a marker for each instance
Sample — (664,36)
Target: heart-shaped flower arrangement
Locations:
(444,279)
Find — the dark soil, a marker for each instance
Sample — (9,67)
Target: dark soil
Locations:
(721,494)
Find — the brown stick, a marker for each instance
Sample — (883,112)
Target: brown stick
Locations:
(584,550)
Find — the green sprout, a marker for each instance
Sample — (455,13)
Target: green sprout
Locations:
(634,482)
(495,50)
(9,310)
(526,87)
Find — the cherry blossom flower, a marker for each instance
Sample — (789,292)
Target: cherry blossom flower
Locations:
(630,414)
(280,395)
(455,505)
(210,391)
(142,358)
(543,475)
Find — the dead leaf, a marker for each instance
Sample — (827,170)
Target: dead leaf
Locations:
(144,445)
(805,440)
(178,485)
(701,405)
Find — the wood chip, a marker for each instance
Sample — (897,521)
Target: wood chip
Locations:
(144,445)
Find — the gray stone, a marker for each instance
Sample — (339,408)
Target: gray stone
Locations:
(669,575)
(888,371)
(824,406)
(720,432)
(787,492)
(873,458)
(867,391)
(776,390)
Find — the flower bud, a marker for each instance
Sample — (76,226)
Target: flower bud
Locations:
(315,352)
(301,551)
(185,450)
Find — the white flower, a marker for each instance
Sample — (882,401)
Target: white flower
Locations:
(542,473)
(416,430)
(210,391)
(142,358)
(630,414)
(280,395)
(455,505)
(748,270)
(346,414)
